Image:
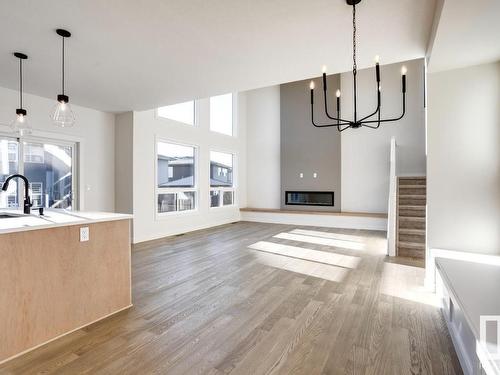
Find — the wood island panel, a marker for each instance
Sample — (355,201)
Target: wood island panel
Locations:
(51,283)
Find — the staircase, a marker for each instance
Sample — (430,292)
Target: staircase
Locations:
(411,217)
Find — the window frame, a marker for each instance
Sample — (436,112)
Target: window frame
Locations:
(223,189)
(176,190)
(234,109)
(175,122)
(75,163)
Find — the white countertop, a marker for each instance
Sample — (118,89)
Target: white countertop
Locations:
(53,218)
(477,289)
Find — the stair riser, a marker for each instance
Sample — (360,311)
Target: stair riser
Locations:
(411,213)
(412,201)
(407,224)
(417,238)
(412,191)
(404,252)
(416,181)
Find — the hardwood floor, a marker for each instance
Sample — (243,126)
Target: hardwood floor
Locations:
(228,300)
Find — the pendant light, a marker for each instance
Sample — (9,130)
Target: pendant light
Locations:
(20,125)
(62,115)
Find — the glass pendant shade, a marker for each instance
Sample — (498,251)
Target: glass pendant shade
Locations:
(62,115)
(20,125)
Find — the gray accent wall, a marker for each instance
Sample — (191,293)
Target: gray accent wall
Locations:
(306,149)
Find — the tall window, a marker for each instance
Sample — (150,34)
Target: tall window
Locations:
(49,167)
(176,177)
(221,179)
(182,112)
(221,114)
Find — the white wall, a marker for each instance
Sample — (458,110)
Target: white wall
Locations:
(147,128)
(263,148)
(94,130)
(366,152)
(463,188)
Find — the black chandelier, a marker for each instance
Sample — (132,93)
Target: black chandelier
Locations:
(366,121)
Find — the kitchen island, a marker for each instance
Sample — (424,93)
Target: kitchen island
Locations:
(58,273)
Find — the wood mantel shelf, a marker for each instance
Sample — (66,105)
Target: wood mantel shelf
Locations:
(312,212)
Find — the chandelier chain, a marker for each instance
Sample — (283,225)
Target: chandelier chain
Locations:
(355,65)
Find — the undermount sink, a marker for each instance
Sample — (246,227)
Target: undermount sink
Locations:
(4,215)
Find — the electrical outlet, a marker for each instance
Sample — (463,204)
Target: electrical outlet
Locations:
(84,234)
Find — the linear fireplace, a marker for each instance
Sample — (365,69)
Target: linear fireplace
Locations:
(309,198)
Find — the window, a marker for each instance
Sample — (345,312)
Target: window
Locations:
(221,179)
(182,112)
(49,167)
(176,177)
(221,114)
(9,156)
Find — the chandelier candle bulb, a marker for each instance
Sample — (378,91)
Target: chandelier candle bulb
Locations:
(311,86)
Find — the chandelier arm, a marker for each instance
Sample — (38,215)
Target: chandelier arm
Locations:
(376,110)
(373,127)
(392,119)
(341,130)
(328,114)
(322,125)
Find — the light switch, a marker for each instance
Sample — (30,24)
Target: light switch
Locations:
(315,175)
(84,234)
(301,175)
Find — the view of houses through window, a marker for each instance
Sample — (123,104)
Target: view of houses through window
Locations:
(48,167)
(221,179)
(176,167)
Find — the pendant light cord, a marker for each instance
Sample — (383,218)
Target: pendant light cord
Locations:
(63,65)
(21,83)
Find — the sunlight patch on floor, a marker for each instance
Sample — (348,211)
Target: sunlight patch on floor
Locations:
(304,267)
(406,282)
(333,259)
(321,241)
(334,236)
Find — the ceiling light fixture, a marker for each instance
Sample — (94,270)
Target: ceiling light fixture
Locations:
(20,124)
(62,114)
(366,121)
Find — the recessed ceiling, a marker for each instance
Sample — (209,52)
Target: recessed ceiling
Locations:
(468,33)
(136,55)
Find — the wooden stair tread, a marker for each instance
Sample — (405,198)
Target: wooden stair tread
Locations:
(412,177)
(412,196)
(411,245)
(412,231)
(411,207)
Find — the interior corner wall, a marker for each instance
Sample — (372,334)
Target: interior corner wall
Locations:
(366,152)
(463,164)
(94,132)
(147,129)
(124,178)
(263,148)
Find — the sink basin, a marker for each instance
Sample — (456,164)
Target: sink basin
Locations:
(4,215)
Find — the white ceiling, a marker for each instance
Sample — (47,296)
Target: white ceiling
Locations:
(130,54)
(468,33)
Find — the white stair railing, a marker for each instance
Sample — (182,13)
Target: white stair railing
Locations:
(392,204)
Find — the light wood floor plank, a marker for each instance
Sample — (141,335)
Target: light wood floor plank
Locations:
(254,298)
